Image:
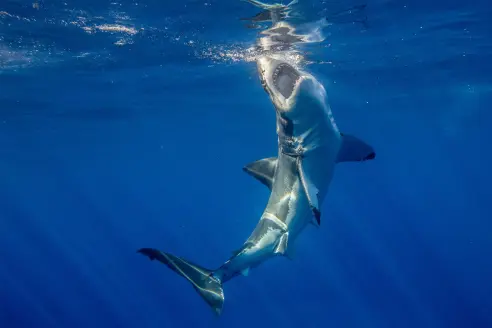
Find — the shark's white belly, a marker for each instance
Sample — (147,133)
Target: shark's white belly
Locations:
(317,141)
(288,201)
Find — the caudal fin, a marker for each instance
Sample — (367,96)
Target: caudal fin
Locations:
(208,286)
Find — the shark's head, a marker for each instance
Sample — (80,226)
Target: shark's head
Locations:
(279,79)
(298,97)
(277,65)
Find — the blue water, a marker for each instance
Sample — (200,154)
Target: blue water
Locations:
(125,124)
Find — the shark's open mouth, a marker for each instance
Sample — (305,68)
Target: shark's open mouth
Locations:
(285,78)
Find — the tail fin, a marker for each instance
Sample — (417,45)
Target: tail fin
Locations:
(208,286)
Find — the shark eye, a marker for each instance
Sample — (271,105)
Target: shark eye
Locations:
(285,78)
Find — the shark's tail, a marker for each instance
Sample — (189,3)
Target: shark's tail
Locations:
(208,286)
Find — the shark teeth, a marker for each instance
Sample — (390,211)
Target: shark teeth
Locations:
(284,79)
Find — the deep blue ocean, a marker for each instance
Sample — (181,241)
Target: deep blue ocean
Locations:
(126,124)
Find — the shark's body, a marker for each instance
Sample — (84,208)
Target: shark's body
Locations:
(309,146)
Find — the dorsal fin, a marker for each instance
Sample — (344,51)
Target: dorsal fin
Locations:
(263,170)
(354,150)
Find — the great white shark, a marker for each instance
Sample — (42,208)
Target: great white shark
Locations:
(309,147)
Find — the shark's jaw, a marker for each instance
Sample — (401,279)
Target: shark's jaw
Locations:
(280,80)
(284,79)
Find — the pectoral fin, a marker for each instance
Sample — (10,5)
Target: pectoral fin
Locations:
(311,192)
(354,150)
(263,170)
